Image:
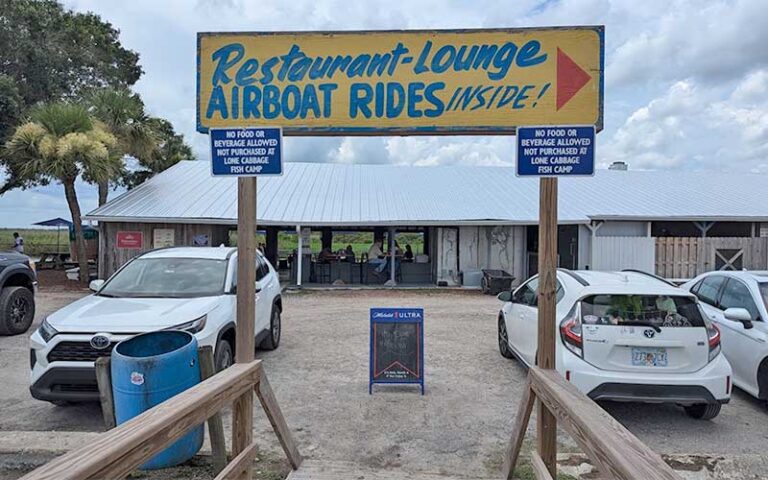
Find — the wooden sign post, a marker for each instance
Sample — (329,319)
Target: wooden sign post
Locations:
(245,153)
(547,424)
(547,153)
(242,411)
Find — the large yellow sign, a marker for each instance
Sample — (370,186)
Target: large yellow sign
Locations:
(401,82)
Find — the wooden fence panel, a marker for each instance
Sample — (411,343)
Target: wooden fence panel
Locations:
(677,257)
(686,257)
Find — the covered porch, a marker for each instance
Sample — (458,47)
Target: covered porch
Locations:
(343,256)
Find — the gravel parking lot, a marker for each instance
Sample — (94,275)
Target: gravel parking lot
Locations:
(461,425)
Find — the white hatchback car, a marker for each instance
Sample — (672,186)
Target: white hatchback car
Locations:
(182,288)
(624,336)
(736,302)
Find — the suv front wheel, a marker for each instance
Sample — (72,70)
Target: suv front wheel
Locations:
(224,356)
(275,329)
(17,310)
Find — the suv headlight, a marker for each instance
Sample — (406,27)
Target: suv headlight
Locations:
(47,331)
(192,326)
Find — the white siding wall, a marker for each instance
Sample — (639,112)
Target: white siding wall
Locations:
(617,253)
(623,229)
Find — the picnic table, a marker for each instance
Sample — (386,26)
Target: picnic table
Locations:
(54,261)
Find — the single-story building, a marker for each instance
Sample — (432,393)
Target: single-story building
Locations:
(676,223)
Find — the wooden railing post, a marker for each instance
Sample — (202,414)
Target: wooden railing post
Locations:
(215,424)
(103,367)
(547,424)
(276,418)
(518,432)
(242,416)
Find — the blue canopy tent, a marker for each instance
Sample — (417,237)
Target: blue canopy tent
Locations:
(57,222)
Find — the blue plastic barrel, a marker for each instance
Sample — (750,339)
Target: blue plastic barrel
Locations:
(148,369)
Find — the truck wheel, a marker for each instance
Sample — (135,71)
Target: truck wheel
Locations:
(275,329)
(703,411)
(223,358)
(17,310)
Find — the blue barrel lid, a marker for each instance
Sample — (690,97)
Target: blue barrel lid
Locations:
(153,344)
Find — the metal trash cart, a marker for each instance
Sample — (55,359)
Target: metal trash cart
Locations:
(496,281)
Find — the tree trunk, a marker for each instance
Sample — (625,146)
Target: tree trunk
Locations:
(74,209)
(103,192)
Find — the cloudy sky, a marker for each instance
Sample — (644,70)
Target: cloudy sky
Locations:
(686,81)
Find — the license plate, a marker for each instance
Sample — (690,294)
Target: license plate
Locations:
(649,357)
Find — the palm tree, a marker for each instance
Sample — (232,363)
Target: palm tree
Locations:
(122,113)
(61,142)
(169,150)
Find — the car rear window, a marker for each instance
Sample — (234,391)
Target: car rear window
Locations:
(656,310)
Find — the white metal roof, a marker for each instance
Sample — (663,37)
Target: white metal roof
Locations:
(316,194)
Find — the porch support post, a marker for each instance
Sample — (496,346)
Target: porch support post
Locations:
(392,255)
(593,227)
(299,256)
(703,227)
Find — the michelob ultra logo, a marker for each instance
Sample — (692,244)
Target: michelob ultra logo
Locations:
(401,82)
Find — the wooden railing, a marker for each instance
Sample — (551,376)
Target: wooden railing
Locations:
(114,454)
(613,449)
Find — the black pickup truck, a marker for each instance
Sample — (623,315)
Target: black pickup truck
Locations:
(18,284)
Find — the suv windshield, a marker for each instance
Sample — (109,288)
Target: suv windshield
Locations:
(764,293)
(652,310)
(168,277)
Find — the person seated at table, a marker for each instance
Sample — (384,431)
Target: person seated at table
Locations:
(325,255)
(350,254)
(408,255)
(398,258)
(376,257)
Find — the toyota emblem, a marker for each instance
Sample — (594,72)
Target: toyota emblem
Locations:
(100,342)
(649,333)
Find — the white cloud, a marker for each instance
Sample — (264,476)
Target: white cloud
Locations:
(697,126)
(687,80)
(708,41)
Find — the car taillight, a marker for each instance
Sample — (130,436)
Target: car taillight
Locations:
(570,333)
(714,340)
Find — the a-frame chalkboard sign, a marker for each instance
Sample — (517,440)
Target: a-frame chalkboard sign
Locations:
(397,346)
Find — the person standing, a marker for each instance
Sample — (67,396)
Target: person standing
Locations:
(18,242)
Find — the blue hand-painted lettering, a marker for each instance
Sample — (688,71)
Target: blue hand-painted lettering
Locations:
(246,88)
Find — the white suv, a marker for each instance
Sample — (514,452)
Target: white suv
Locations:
(624,336)
(184,288)
(738,303)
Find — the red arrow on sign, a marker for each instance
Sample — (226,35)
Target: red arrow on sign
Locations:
(570,78)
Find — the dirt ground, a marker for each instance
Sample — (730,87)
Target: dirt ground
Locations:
(320,378)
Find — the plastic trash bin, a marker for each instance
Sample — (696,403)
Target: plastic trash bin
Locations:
(147,370)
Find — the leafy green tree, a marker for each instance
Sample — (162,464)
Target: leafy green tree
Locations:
(122,113)
(54,53)
(11,106)
(61,142)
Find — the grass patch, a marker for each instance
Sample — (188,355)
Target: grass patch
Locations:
(36,240)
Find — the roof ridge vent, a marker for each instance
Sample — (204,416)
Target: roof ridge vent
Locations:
(621,166)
